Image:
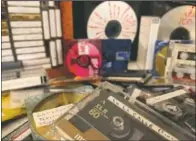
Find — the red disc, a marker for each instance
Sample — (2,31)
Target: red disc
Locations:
(83,49)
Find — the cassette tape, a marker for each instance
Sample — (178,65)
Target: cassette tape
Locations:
(121,119)
(174,104)
(44,109)
(82,57)
(116,54)
(184,54)
(183,74)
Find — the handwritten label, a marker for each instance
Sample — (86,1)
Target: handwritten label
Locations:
(83,48)
(47,117)
(188,17)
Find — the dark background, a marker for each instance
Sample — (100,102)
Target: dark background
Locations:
(83,9)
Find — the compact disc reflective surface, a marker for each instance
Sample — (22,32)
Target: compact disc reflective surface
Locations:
(112,19)
(178,24)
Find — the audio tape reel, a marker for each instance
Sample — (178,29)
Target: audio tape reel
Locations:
(43,110)
(82,57)
(112,19)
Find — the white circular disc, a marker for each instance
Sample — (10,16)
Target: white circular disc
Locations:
(179,74)
(108,11)
(184,55)
(182,16)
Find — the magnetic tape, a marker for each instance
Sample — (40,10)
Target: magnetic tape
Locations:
(122,120)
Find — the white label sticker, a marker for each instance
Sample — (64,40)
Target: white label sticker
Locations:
(26,24)
(52,23)
(58,23)
(30,50)
(53,53)
(5,38)
(33,30)
(142,119)
(6,52)
(28,37)
(47,117)
(83,48)
(59,51)
(24,3)
(31,56)
(6,45)
(18,96)
(157,99)
(7,58)
(28,44)
(23,10)
(46,25)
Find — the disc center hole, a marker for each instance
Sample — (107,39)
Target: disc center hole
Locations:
(180,33)
(83,60)
(113,29)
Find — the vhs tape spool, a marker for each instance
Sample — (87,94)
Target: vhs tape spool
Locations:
(129,123)
(82,57)
(44,109)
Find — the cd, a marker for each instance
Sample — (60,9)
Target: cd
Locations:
(83,59)
(160,57)
(178,24)
(112,19)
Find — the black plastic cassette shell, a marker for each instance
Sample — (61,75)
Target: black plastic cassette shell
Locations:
(107,94)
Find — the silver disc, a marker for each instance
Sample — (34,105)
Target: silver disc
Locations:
(182,16)
(119,16)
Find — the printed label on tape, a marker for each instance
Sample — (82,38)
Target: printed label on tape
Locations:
(31,56)
(58,23)
(47,117)
(52,23)
(46,25)
(5,38)
(28,44)
(6,52)
(83,48)
(23,10)
(36,62)
(26,24)
(28,37)
(24,3)
(25,17)
(26,30)
(30,50)
(6,45)
(59,51)
(53,53)
(7,58)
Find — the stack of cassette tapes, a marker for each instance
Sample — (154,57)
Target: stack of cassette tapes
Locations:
(7,54)
(35,30)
